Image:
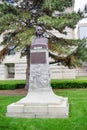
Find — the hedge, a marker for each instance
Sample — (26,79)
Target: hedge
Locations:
(11,84)
(68,84)
(56,84)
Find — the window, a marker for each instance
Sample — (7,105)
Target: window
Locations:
(10,70)
(11,50)
(82,32)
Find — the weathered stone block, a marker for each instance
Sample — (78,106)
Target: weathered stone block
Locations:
(35,109)
(40,101)
(15,108)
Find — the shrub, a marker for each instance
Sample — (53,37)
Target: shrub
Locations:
(56,84)
(11,84)
(69,84)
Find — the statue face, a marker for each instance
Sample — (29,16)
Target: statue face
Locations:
(39,31)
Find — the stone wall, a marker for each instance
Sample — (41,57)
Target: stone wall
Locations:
(20,71)
(81,71)
(62,72)
(56,72)
(3,72)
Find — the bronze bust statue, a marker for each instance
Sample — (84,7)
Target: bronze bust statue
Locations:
(39,32)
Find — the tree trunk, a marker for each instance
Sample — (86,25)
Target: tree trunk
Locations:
(28,67)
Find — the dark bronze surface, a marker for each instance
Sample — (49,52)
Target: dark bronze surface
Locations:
(38,58)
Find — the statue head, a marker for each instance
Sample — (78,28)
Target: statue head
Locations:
(39,31)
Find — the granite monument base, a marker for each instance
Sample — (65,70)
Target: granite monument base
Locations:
(39,105)
(40,101)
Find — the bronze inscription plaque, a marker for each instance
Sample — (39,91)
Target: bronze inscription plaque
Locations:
(38,58)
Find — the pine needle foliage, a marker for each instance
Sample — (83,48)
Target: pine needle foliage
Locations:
(22,20)
(57,4)
(60,22)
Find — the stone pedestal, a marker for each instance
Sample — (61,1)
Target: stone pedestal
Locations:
(40,101)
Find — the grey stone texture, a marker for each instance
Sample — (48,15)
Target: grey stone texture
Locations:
(40,102)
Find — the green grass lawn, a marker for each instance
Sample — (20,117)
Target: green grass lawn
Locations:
(82,77)
(77,114)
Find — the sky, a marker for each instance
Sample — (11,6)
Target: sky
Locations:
(79,4)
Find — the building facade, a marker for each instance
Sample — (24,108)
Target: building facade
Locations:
(81,31)
(14,67)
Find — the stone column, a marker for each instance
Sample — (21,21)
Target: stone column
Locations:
(39,66)
(40,101)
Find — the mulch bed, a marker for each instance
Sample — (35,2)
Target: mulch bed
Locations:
(14,92)
(20,92)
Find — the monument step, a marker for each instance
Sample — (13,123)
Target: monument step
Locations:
(39,110)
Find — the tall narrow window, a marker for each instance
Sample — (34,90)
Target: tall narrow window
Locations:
(10,70)
(11,50)
(82,32)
